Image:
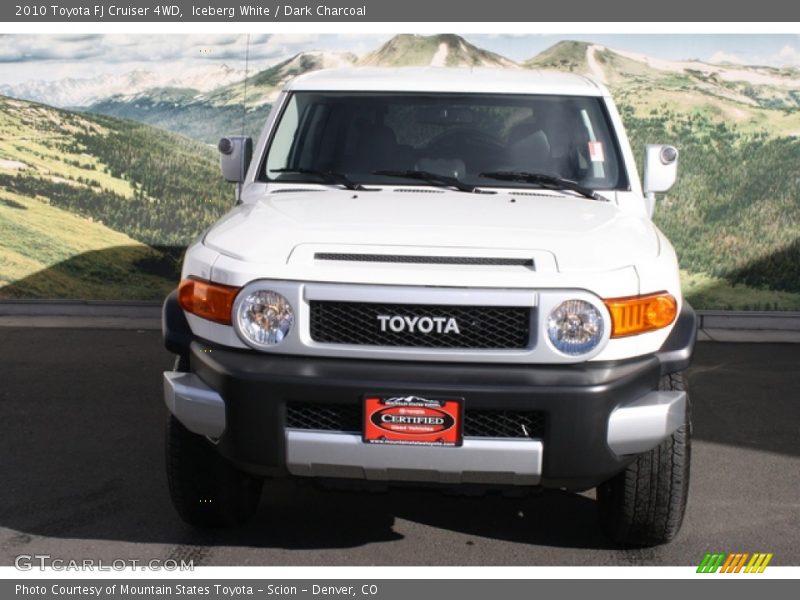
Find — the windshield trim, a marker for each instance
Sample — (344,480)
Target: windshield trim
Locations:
(623,184)
(490,190)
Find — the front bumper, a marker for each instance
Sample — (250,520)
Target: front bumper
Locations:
(597,416)
(478,460)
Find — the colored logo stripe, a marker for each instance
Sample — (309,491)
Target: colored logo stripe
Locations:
(758,563)
(711,562)
(733,563)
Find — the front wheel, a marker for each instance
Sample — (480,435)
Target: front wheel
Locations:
(206,489)
(644,505)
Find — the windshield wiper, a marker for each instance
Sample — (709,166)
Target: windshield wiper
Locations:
(326,176)
(434,178)
(549,182)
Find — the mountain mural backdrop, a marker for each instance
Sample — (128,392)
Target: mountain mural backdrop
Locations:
(104,181)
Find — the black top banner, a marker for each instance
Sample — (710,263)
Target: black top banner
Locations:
(450,11)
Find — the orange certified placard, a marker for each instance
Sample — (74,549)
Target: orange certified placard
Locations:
(412,420)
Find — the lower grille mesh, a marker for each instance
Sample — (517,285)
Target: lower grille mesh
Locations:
(504,424)
(323,417)
(477,423)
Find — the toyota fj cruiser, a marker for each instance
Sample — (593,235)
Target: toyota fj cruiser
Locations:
(439,276)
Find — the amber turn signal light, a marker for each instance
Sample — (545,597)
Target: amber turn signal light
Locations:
(638,314)
(211,301)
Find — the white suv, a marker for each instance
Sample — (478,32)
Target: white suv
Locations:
(440,276)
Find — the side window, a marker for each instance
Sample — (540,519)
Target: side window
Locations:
(284,138)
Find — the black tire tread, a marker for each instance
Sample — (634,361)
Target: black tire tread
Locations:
(206,490)
(645,504)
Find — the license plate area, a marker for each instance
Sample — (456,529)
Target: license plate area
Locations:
(413,420)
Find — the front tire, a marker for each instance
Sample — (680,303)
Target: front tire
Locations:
(645,504)
(206,489)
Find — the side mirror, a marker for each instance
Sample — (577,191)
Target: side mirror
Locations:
(234,157)
(660,171)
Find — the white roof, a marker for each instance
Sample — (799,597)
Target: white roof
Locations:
(444,79)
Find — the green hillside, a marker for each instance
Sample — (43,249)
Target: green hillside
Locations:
(47,252)
(734,214)
(98,207)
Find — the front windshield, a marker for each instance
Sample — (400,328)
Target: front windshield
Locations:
(456,135)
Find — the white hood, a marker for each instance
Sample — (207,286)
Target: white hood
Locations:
(581,234)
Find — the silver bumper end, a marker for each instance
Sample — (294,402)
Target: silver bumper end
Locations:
(642,425)
(193,403)
(487,461)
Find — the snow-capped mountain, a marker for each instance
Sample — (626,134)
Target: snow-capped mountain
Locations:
(444,50)
(86,91)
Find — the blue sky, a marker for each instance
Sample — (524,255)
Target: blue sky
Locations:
(52,57)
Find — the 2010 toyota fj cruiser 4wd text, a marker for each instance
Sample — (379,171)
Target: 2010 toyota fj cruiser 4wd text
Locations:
(438,276)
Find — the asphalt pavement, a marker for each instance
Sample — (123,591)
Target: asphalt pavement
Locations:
(82,474)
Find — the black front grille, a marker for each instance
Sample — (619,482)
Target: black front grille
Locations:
(427,260)
(506,327)
(477,423)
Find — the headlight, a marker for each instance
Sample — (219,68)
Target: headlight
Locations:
(575,327)
(263,318)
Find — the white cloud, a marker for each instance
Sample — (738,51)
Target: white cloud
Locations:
(726,57)
(789,55)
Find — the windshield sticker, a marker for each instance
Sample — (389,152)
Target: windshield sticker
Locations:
(596,153)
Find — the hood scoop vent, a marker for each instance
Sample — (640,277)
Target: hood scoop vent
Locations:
(540,194)
(426,260)
(295,190)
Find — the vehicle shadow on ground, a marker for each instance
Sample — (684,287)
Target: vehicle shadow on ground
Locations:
(82,436)
(302,516)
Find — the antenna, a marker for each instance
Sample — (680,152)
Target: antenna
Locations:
(244,94)
(244,107)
